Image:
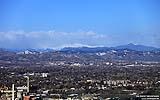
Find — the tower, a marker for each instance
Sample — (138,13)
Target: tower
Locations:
(12,91)
(27,83)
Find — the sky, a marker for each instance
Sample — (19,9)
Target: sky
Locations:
(65,23)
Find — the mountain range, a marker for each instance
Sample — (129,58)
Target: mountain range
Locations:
(129,52)
(129,46)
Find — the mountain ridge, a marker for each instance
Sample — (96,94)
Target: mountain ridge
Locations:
(129,46)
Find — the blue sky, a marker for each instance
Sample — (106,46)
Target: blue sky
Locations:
(59,23)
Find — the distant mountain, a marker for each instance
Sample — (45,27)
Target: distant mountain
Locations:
(27,50)
(85,49)
(126,52)
(103,49)
(135,47)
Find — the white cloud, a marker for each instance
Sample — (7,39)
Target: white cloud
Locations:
(50,39)
(55,39)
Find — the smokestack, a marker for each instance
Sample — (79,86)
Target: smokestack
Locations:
(27,83)
(12,91)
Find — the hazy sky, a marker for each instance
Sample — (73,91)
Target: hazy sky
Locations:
(59,23)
